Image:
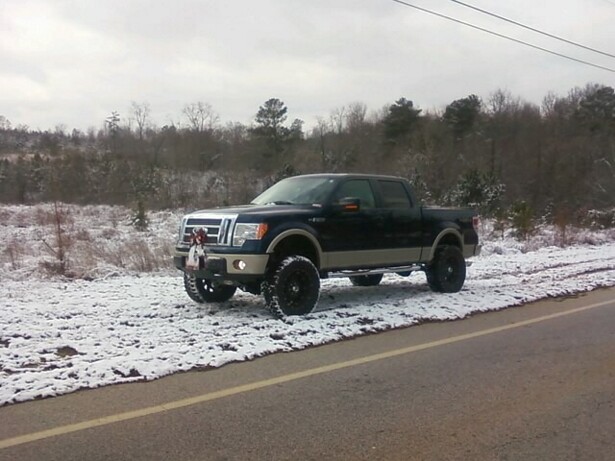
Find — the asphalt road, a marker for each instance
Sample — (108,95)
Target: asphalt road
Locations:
(529,383)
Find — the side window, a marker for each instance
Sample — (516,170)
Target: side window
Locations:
(394,194)
(359,188)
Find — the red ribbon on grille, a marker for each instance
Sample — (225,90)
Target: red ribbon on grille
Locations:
(199,236)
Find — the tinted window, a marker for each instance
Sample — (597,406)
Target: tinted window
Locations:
(359,188)
(394,194)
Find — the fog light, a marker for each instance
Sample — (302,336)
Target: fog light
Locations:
(239,264)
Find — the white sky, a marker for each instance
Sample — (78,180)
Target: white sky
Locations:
(72,62)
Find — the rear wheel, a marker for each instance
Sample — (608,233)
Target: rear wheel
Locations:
(447,272)
(206,291)
(293,287)
(369,280)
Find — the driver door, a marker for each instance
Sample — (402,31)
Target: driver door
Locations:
(350,237)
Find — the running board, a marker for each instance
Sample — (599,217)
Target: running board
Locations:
(384,270)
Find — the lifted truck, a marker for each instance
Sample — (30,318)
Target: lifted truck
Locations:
(312,227)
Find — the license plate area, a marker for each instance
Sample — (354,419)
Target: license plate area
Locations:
(197,258)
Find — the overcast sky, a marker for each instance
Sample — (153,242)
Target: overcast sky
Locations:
(73,62)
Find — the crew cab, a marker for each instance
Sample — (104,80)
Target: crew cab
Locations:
(307,228)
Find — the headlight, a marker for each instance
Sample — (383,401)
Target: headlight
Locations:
(250,231)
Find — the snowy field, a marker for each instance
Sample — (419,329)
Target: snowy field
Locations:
(123,316)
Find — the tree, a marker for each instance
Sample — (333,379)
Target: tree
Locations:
(502,107)
(401,119)
(5,123)
(501,101)
(113,126)
(270,127)
(270,119)
(141,113)
(295,131)
(597,108)
(355,117)
(596,112)
(321,131)
(461,115)
(201,116)
(338,115)
(478,190)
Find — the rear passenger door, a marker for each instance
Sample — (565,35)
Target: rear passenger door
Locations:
(404,229)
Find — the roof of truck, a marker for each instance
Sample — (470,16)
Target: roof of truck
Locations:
(350,175)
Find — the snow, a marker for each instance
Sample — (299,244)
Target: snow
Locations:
(121,324)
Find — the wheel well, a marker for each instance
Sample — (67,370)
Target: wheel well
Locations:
(296,245)
(450,239)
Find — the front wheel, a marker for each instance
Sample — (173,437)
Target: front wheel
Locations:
(206,291)
(293,287)
(447,272)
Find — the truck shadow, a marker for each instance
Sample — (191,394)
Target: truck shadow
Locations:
(336,295)
(394,292)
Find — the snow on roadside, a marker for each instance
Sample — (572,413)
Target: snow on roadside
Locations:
(57,336)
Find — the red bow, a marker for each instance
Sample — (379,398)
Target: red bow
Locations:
(199,237)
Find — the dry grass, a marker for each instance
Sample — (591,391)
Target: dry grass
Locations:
(14,253)
(51,214)
(143,258)
(82,242)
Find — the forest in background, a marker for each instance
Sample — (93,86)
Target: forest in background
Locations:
(509,158)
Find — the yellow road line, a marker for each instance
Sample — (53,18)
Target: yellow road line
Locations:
(61,430)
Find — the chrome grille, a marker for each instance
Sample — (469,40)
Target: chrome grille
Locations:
(219,228)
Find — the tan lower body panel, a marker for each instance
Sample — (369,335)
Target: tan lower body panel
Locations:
(386,257)
(390,257)
(370,258)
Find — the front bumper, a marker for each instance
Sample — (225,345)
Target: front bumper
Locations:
(223,266)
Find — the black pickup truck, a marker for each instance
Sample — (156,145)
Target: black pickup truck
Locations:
(311,227)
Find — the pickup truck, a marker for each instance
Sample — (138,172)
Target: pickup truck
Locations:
(311,227)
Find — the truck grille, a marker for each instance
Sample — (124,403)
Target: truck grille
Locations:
(219,229)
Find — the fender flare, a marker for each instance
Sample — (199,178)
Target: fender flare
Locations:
(441,235)
(296,232)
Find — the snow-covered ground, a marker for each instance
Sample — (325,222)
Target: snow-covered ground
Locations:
(117,323)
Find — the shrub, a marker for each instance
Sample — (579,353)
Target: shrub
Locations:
(140,219)
(477,190)
(60,216)
(522,219)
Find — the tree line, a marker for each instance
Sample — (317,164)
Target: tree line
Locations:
(497,154)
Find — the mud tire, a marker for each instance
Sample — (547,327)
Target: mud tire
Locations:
(292,287)
(447,272)
(206,291)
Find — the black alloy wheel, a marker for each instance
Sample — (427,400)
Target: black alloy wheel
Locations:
(447,271)
(293,288)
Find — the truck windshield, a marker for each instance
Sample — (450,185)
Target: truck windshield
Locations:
(297,191)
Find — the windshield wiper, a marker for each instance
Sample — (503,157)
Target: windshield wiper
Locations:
(280,202)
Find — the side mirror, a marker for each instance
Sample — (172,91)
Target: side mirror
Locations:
(348,205)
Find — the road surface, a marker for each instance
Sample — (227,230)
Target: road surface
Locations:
(530,383)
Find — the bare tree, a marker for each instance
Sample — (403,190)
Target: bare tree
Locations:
(201,116)
(355,117)
(5,123)
(503,101)
(337,118)
(141,114)
(321,129)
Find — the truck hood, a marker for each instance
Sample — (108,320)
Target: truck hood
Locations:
(258,210)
